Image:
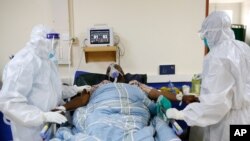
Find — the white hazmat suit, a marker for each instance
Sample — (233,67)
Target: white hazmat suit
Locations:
(225,88)
(32,87)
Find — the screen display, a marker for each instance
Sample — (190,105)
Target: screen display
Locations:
(100,36)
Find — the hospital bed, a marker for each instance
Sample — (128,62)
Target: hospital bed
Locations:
(143,133)
(4,126)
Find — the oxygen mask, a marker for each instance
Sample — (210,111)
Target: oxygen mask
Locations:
(114,73)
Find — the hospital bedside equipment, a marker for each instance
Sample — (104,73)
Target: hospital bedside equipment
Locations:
(162,105)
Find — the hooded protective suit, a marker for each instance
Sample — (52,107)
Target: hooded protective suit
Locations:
(32,87)
(225,88)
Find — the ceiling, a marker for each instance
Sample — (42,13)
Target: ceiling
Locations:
(226,1)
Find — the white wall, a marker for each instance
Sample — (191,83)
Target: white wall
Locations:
(241,14)
(235,7)
(152,32)
(246,19)
(17,20)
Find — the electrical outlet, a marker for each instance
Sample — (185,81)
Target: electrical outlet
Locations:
(167,69)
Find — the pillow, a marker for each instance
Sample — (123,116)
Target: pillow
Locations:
(139,77)
(87,78)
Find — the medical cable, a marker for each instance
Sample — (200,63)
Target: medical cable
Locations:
(119,54)
(69,62)
(83,44)
(121,50)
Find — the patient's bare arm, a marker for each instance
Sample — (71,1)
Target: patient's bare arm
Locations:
(78,101)
(154,94)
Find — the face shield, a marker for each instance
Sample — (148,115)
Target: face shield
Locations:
(54,40)
(204,35)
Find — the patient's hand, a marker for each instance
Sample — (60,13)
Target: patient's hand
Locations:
(144,87)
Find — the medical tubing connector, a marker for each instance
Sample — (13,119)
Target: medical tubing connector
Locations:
(177,128)
(45,129)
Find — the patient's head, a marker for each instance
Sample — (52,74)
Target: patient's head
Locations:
(115,71)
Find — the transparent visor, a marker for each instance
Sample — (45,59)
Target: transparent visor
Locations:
(54,40)
(202,33)
(54,37)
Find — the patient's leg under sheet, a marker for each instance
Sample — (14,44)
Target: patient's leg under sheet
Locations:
(163,131)
(145,134)
(65,134)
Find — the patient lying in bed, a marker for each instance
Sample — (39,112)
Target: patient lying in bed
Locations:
(119,112)
(115,112)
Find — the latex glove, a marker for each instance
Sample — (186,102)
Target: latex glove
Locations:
(54,117)
(173,113)
(81,88)
(60,109)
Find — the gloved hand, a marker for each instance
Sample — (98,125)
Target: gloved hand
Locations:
(81,88)
(60,109)
(54,117)
(173,113)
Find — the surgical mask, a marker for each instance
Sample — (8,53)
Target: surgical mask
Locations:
(202,36)
(54,37)
(52,57)
(205,42)
(114,73)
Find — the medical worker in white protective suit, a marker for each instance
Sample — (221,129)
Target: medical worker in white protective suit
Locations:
(32,87)
(225,88)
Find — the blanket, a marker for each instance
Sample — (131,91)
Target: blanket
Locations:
(116,112)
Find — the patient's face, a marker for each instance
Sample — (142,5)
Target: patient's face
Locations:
(121,78)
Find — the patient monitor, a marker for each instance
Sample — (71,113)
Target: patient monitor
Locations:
(100,35)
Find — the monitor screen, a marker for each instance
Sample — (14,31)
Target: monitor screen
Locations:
(100,36)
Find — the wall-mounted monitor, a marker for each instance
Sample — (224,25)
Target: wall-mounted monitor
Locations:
(100,36)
